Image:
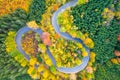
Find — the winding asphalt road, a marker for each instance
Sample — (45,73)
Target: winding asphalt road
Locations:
(64,35)
(69,37)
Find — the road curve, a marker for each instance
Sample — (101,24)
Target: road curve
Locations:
(64,35)
(69,37)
